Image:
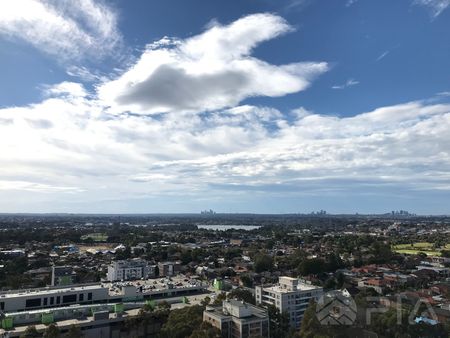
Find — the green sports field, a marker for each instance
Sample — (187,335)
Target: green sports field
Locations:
(96,237)
(415,248)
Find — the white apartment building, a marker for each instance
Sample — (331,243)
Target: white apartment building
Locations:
(236,319)
(290,295)
(130,270)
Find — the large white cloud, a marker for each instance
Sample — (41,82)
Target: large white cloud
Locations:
(67,29)
(68,145)
(209,71)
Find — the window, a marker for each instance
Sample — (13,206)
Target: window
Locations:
(58,300)
(2,305)
(45,301)
(81,297)
(33,302)
(90,296)
(52,300)
(69,299)
(245,330)
(265,329)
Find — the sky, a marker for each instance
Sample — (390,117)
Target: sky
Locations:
(259,106)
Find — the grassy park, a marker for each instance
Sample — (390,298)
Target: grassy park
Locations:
(96,237)
(415,248)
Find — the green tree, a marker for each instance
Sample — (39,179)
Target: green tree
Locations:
(74,332)
(206,301)
(330,283)
(333,262)
(381,251)
(52,331)
(164,306)
(242,294)
(246,281)
(148,316)
(206,330)
(312,266)
(30,332)
(445,253)
(278,322)
(263,262)
(340,279)
(182,322)
(269,244)
(123,254)
(220,298)
(310,324)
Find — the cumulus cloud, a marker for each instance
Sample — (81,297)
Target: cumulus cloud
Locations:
(97,156)
(436,7)
(72,89)
(210,71)
(68,29)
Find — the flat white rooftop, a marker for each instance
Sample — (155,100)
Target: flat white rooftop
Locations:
(113,289)
(49,290)
(289,278)
(300,287)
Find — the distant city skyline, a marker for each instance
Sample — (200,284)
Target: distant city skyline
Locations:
(238,106)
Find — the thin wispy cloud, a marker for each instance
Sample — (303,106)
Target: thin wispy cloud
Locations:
(348,83)
(436,7)
(382,55)
(69,30)
(85,74)
(350,3)
(297,5)
(444,94)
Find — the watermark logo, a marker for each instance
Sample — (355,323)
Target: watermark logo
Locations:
(336,308)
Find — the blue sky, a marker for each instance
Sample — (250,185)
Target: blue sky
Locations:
(239,106)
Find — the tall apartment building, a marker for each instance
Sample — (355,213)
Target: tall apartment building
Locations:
(236,319)
(290,295)
(130,270)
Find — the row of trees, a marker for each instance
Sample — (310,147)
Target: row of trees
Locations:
(156,321)
(52,331)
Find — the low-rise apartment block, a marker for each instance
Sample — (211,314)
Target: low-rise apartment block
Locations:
(168,269)
(290,295)
(132,269)
(236,319)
